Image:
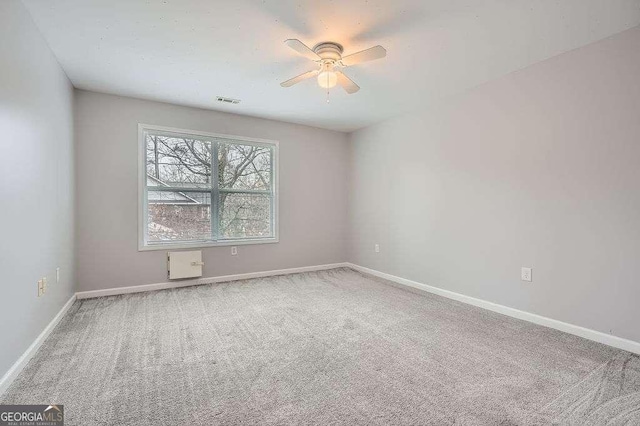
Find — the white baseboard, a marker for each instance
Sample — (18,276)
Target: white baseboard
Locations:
(200,281)
(596,336)
(16,368)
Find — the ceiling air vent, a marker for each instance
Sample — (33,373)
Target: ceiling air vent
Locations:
(228,100)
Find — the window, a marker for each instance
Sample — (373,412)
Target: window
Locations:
(200,189)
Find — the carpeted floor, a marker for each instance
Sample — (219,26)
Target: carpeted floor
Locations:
(331,347)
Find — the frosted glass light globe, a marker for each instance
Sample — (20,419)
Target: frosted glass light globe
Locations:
(327,79)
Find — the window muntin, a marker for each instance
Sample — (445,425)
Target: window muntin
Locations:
(183,205)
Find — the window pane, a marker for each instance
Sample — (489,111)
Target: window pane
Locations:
(181,162)
(178,216)
(245,215)
(244,167)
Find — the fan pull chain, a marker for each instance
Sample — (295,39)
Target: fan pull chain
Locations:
(327,87)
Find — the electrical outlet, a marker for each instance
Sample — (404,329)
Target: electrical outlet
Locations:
(525,274)
(234,251)
(376,248)
(58,274)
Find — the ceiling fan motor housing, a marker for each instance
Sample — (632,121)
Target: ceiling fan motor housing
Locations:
(329,51)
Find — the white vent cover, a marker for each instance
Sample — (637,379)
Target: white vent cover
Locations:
(185,264)
(228,100)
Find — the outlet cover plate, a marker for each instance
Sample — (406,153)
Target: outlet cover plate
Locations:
(525,274)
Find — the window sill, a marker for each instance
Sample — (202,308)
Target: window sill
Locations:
(201,244)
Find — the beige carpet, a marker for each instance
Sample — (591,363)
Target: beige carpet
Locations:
(332,347)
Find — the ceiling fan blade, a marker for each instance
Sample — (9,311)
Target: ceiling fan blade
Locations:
(346,83)
(299,78)
(302,49)
(370,54)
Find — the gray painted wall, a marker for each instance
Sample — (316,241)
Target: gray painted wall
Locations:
(36,182)
(313,193)
(540,168)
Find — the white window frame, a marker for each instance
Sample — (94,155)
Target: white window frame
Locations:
(144,245)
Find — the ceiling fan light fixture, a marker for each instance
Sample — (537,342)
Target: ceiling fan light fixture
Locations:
(327,79)
(329,56)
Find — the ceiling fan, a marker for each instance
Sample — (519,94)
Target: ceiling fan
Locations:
(328,56)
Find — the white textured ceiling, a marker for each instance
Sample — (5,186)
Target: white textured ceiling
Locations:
(189,51)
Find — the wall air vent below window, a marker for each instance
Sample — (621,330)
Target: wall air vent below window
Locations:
(184,264)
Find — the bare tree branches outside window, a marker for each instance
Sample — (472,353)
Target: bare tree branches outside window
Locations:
(180,187)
